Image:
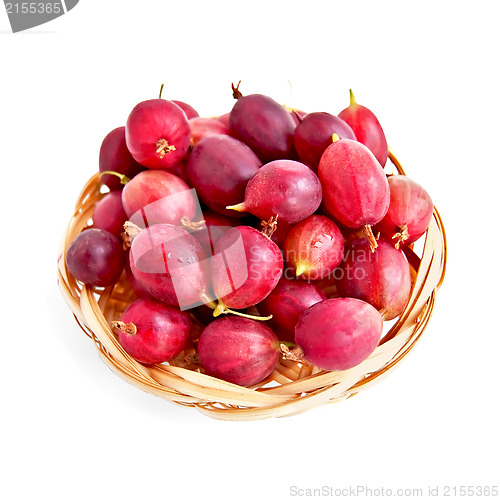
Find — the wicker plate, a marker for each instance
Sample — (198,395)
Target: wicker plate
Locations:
(293,387)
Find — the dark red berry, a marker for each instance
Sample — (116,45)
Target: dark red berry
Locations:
(96,257)
(238,350)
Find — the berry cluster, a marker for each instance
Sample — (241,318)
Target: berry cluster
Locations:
(271,231)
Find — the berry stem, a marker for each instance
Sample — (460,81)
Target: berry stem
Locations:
(223,309)
(131,229)
(123,178)
(161,90)
(401,236)
(236,90)
(163,147)
(297,115)
(301,268)
(351,98)
(207,300)
(371,238)
(294,354)
(269,226)
(128,328)
(190,225)
(240,207)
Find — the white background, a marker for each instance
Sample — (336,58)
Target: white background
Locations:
(69,427)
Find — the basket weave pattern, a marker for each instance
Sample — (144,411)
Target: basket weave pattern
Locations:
(293,387)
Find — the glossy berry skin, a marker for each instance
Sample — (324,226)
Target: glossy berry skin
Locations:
(245,268)
(114,156)
(238,350)
(366,128)
(157,133)
(264,125)
(161,331)
(410,211)
(355,188)
(170,265)
(314,134)
(338,334)
(189,111)
(219,168)
(109,213)
(314,247)
(286,303)
(96,258)
(205,127)
(381,278)
(284,188)
(157,196)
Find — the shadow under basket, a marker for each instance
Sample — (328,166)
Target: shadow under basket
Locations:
(293,387)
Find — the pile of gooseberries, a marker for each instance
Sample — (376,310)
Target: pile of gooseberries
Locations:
(275,232)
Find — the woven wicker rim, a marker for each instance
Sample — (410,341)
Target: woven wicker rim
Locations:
(293,387)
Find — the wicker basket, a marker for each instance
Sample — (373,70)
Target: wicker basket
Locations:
(293,387)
